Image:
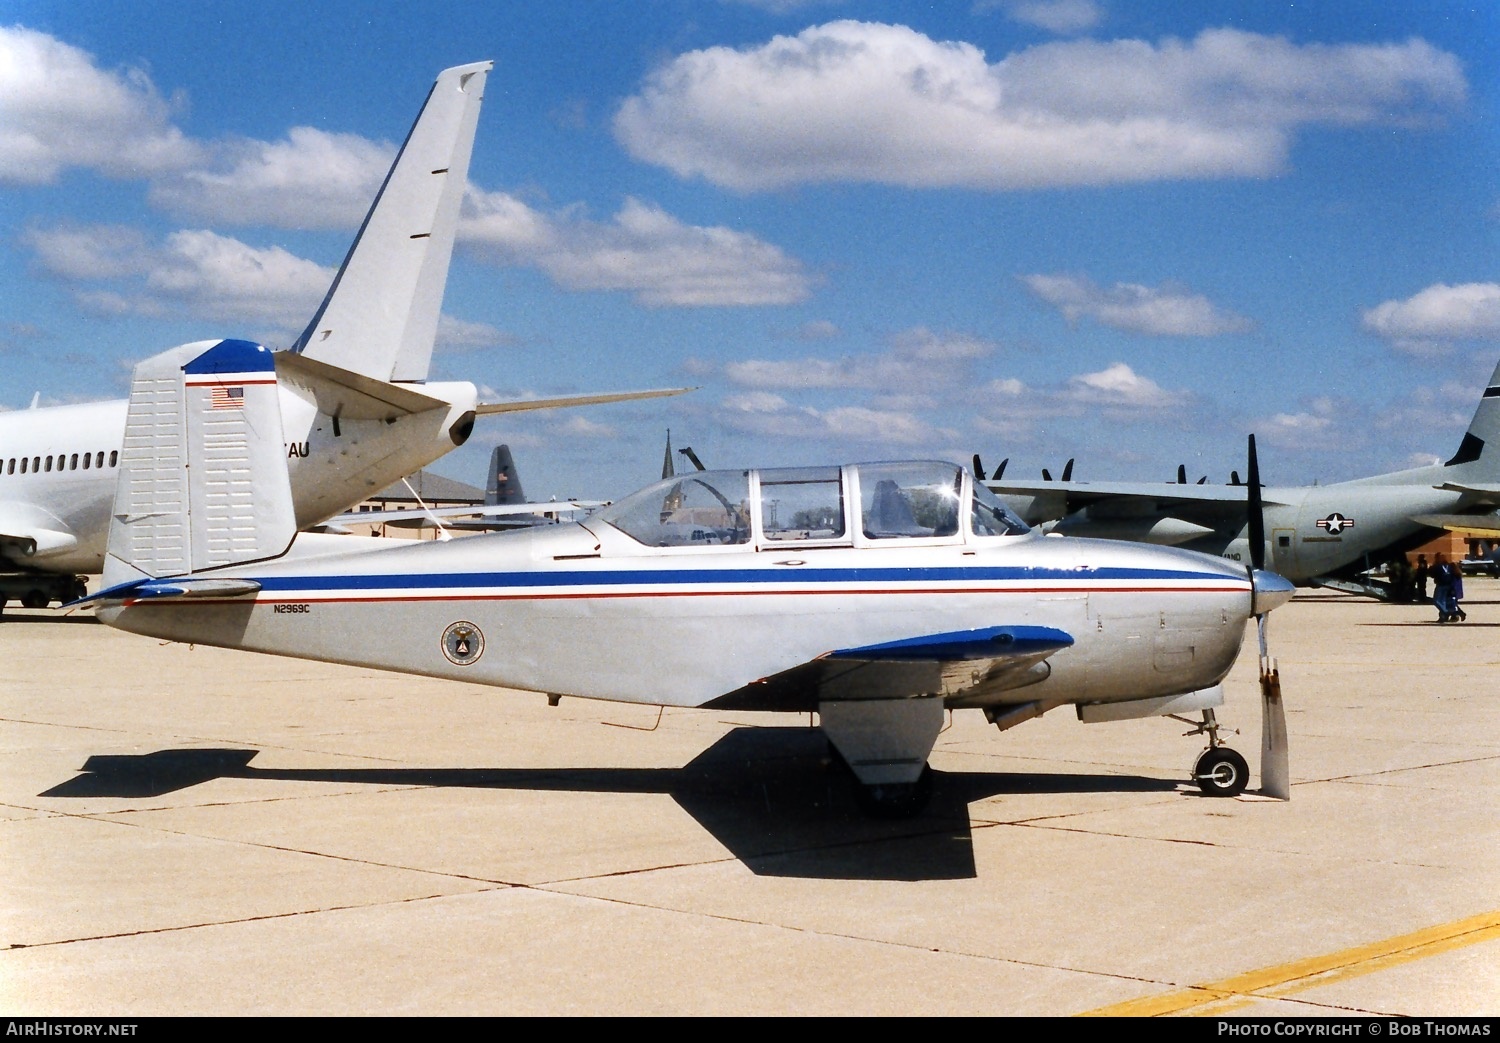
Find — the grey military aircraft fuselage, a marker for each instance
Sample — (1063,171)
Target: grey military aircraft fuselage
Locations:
(1314,535)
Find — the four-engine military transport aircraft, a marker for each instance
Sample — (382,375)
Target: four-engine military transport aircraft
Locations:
(1317,535)
(879,595)
(357,409)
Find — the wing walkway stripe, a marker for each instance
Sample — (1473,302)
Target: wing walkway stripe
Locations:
(1288,978)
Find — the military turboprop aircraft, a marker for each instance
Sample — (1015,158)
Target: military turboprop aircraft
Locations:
(1317,535)
(357,409)
(879,595)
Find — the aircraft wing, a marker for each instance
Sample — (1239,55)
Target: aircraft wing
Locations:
(966,664)
(1082,494)
(419,518)
(26,532)
(522,404)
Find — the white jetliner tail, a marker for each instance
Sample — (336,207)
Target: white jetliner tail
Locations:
(203,478)
(381,313)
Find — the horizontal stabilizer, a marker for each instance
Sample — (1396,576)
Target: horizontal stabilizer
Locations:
(350,395)
(520,405)
(416,517)
(1470,524)
(1487,490)
(181,587)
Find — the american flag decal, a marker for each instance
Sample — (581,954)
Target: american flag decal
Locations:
(226,397)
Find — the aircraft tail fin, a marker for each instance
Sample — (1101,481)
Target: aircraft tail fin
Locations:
(504,486)
(380,316)
(1483,432)
(203,477)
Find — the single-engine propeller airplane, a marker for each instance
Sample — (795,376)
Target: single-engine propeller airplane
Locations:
(879,595)
(1315,535)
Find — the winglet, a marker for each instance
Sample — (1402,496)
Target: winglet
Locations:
(381,313)
(203,478)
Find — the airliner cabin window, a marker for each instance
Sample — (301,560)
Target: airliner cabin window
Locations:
(907,500)
(114,457)
(86,458)
(805,503)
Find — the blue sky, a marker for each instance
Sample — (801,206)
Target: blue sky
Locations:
(1125,233)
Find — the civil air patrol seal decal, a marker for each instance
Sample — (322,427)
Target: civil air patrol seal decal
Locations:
(1335,523)
(463,643)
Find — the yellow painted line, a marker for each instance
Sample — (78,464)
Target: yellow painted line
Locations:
(1289,978)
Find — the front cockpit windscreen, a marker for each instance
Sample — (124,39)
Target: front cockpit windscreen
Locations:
(909,499)
(705,509)
(991,517)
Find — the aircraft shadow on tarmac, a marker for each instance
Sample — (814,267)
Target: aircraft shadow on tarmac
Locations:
(772,796)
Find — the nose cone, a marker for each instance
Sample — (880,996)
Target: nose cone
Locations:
(1271,590)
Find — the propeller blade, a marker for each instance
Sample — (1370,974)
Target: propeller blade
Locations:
(1234,478)
(1275,767)
(1067,474)
(1203,479)
(1182,474)
(1000,471)
(1255,510)
(1046,475)
(978,468)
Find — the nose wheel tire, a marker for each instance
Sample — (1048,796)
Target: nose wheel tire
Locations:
(1221,772)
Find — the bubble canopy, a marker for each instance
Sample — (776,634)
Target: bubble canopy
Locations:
(856,504)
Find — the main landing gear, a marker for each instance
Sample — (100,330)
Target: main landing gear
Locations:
(885,743)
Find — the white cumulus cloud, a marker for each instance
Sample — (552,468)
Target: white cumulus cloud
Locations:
(918,360)
(643,250)
(858,101)
(1055,16)
(1426,321)
(59,110)
(312,179)
(194,271)
(1165,311)
(1121,387)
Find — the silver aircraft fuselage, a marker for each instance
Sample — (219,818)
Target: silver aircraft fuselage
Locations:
(586,610)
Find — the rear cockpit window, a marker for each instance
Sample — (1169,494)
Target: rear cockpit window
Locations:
(805,503)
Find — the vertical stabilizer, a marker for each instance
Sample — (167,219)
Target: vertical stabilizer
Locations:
(1484,430)
(203,477)
(381,313)
(504,486)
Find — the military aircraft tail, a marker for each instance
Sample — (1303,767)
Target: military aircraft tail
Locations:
(203,479)
(504,485)
(380,316)
(1481,441)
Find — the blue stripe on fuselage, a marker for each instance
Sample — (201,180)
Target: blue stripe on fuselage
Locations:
(728,577)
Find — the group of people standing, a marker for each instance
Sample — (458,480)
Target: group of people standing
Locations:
(1447,586)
